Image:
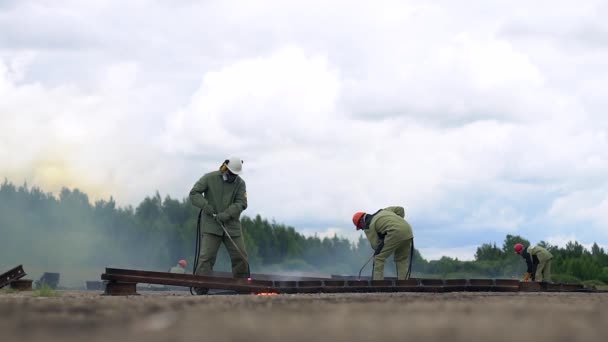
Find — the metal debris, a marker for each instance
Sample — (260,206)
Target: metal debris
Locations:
(21,285)
(11,275)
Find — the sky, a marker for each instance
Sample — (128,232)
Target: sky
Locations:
(480,118)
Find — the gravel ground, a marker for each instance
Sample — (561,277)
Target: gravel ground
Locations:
(489,317)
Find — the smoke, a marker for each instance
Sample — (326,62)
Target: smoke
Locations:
(69,235)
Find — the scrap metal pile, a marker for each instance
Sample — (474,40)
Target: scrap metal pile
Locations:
(13,277)
(124,282)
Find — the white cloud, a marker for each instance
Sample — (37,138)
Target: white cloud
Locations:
(582,206)
(476,123)
(463,253)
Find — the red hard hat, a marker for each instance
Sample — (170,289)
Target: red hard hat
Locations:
(518,248)
(183,262)
(357,217)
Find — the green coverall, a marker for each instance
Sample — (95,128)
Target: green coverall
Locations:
(398,239)
(211,191)
(177,269)
(543,270)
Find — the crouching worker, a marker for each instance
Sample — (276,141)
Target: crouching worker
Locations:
(538,260)
(388,232)
(180,268)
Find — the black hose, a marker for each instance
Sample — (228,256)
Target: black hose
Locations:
(409,269)
(197,247)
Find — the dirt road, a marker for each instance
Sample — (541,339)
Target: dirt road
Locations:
(488,317)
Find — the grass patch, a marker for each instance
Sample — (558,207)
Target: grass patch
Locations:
(7,290)
(46,291)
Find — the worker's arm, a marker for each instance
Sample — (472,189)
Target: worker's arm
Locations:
(372,236)
(529,263)
(235,209)
(397,210)
(196,194)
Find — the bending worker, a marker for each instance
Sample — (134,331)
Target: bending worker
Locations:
(388,232)
(222,196)
(538,260)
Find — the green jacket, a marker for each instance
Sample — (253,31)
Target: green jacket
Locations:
(389,221)
(230,198)
(541,253)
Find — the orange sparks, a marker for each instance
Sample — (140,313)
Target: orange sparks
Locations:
(267,294)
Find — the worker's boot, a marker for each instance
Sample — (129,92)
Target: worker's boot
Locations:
(201,291)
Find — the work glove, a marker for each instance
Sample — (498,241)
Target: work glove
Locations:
(527,276)
(223,217)
(208,209)
(379,248)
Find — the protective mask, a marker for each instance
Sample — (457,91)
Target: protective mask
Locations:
(229,177)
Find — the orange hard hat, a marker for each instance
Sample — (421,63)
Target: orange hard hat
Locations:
(357,217)
(183,262)
(518,248)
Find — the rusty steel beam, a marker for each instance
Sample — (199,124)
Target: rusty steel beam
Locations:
(187,280)
(263,276)
(11,275)
(123,282)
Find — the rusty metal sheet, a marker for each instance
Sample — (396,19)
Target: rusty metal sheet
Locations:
(551,287)
(121,280)
(263,276)
(529,286)
(234,286)
(334,283)
(187,280)
(506,282)
(11,275)
(115,288)
(386,285)
(572,287)
(21,285)
(431,282)
(357,283)
(481,285)
(455,285)
(359,286)
(506,285)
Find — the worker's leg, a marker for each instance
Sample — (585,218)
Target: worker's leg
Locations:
(209,246)
(240,267)
(539,271)
(547,271)
(390,245)
(402,258)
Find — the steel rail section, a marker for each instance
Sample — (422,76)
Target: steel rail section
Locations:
(12,275)
(123,281)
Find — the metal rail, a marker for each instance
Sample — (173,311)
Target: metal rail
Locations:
(11,275)
(123,282)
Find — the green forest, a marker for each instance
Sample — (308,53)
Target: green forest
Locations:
(68,232)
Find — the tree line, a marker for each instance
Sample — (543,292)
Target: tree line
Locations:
(68,230)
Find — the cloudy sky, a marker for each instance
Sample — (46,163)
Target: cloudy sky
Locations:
(481,118)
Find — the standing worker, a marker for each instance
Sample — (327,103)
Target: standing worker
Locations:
(538,260)
(180,268)
(388,232)
(222,196)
